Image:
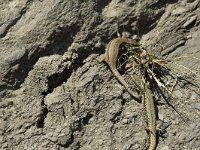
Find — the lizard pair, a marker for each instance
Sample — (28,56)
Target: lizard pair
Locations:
(110,57)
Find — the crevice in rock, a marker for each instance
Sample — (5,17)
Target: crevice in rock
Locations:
(146,23)
(116,117)
(123,102)
(56,46)
(101,5)
(159,4)
(43,114)
(86,119)
(40,121)
(14,21)
(58,79)
(66,145)
(149,23)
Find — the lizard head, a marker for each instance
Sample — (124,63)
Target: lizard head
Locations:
(135,42)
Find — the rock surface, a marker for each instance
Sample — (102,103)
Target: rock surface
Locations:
(56,95)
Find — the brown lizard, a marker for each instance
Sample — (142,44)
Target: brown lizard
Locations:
(148,101)
(149,107)
(111,55)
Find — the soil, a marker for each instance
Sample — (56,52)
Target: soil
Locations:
(56,95)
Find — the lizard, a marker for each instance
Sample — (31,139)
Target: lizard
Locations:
(148,100)
(111,55)
(149,111)
(150,114)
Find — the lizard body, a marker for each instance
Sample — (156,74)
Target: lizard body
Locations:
(149,107)
(111,55)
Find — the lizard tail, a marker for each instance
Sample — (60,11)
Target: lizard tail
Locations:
(123,82)
(152,145)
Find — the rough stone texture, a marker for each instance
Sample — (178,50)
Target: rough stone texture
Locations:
(56,95)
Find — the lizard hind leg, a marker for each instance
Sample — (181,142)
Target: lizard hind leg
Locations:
(161,127)
(102,58)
